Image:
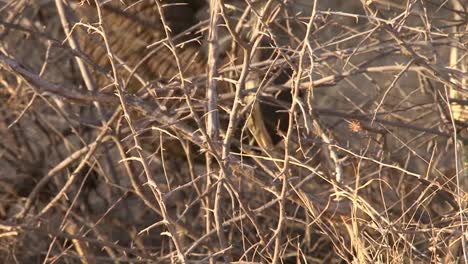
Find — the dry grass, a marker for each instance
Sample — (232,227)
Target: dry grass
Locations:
(236,132)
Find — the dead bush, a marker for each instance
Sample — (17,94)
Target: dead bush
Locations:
(233,131)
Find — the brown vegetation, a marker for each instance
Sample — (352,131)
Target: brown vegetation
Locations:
(233,131)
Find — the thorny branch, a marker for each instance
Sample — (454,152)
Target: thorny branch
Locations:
(233,131)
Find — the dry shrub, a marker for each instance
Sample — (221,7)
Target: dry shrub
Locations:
(233,131)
